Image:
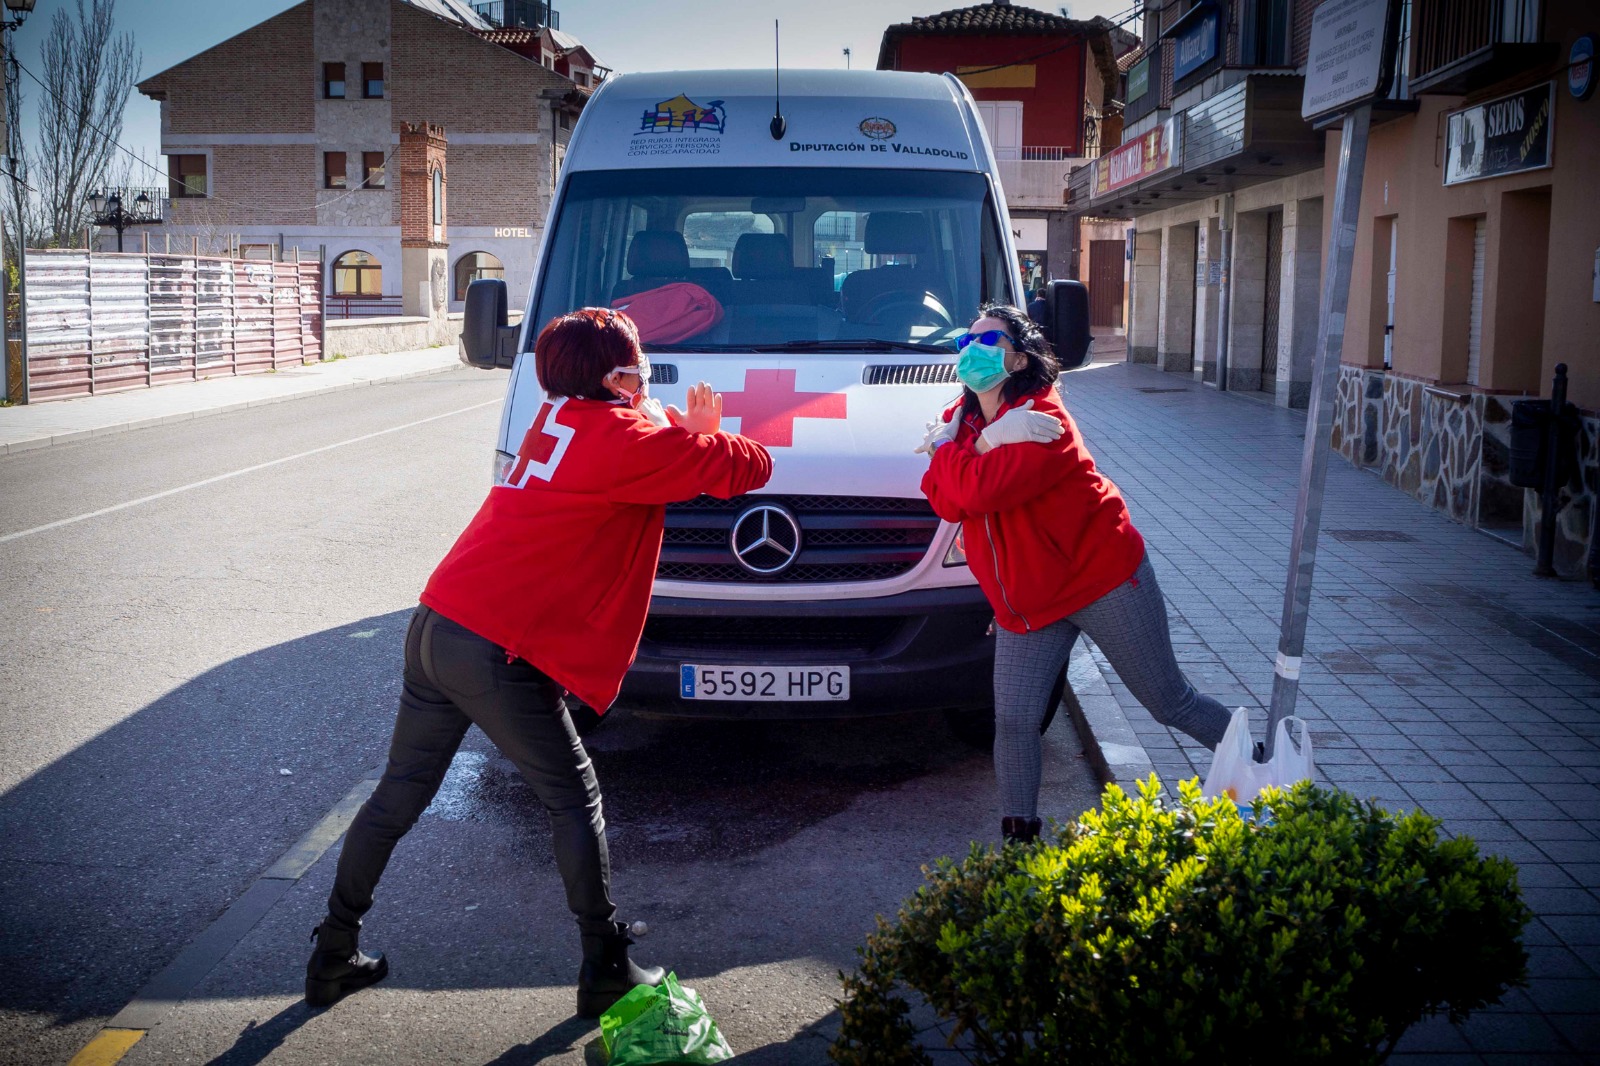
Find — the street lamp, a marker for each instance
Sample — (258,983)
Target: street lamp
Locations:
(108,210)
(19,9)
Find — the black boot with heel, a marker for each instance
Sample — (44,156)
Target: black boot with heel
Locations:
(1021,830)
(607,974)
(339,967)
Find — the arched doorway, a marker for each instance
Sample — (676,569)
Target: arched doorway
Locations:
(473,266)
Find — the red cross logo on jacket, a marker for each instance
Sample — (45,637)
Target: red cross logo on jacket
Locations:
(769,404)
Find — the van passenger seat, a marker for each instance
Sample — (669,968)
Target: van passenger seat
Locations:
(764,273)
(656,257)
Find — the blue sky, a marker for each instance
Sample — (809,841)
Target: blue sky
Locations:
(626,35)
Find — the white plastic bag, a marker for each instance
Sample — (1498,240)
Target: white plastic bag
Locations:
(1236,774)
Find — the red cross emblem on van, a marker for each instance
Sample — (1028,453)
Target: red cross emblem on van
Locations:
(769,404)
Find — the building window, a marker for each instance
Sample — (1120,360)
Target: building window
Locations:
(1264,33)
(372,80)
(357,274)
(372,170)
(186,176)
(438,196)
(333,170)
(333,81)
(474,266)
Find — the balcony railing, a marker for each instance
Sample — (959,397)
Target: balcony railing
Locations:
(363,306)
(1460,45)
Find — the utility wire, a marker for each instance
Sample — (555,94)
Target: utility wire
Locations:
(209,196)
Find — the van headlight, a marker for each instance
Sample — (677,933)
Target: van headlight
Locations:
(503,461)
(957,555)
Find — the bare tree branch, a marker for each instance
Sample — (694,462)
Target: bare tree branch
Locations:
(88,72)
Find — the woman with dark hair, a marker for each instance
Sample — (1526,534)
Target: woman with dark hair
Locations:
(544,593)
(1049,539)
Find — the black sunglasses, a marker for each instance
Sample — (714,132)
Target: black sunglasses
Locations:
(988,336)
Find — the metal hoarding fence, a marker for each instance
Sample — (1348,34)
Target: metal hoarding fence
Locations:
(101,322)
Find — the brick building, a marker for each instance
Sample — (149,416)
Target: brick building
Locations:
(1046,86)
(289,135)
(1477,253)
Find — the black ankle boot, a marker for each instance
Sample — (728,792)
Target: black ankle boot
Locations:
(607,973)
(338,967)
(1022,830)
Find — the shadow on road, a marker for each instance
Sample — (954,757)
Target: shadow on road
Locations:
(116,855)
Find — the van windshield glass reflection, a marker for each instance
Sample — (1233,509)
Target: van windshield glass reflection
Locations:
(794,259)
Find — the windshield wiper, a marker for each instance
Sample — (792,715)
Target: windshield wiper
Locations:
(855,344)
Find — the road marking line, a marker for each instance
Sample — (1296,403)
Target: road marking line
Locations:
(236,473)
(211,945)
(108,1048)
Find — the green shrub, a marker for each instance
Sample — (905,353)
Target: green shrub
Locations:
(1314,927)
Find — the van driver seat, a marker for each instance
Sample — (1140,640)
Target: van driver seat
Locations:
(900,233)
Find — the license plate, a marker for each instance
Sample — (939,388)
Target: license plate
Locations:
(756,683)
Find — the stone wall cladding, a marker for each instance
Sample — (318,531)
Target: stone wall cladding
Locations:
(1451,451)
(1575,521)
(261,81)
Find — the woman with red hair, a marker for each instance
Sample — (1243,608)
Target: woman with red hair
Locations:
(544,593)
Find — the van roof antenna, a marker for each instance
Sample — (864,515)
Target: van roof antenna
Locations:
(778,125)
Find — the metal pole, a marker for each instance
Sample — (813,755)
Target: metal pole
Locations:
(22,307)
(1550,492)
(1225,226)
(1319,418)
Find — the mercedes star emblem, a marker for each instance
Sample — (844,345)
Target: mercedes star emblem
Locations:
(765,539)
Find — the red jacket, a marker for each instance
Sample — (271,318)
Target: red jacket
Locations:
(556,567)
(1046,534)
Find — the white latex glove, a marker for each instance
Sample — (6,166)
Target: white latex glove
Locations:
(1022,425)
(938,432)
(652,409)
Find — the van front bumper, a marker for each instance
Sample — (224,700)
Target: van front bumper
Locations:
(925,650)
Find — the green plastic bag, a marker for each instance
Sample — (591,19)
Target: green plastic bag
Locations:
(666,1024)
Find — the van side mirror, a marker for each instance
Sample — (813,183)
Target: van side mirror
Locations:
(486,341)
(1066,322)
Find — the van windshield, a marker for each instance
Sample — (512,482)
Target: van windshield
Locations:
(763,258)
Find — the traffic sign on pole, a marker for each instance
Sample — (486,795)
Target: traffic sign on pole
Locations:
(1349,65)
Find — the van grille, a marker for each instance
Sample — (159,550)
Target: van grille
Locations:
(681,631)
(916,374)
(843,538)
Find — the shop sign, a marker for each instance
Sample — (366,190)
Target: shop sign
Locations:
(1195,44)
(1348,57)
(1504,136)
(1150,153)
(1580,68)
(1139,79)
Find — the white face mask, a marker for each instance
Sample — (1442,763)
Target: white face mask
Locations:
(642,368)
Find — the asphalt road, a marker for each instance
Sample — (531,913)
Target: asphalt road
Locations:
(162,665)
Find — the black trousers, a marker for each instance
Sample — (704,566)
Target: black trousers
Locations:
(455,679)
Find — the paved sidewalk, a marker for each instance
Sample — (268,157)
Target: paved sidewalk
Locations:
(57,421)
(1439,673)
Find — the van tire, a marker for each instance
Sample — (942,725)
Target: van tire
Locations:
(976,728)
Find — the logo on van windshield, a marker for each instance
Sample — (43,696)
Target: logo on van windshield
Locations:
(879,129)
(683,115)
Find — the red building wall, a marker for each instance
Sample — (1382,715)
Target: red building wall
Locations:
(1052,109)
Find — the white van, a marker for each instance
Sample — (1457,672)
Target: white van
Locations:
(848,243)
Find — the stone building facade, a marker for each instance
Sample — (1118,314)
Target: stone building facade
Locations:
(294,130)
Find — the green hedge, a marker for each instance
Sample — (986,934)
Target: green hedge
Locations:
(1316,926)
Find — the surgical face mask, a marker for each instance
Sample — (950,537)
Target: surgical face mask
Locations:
(982,366)
(642,368)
